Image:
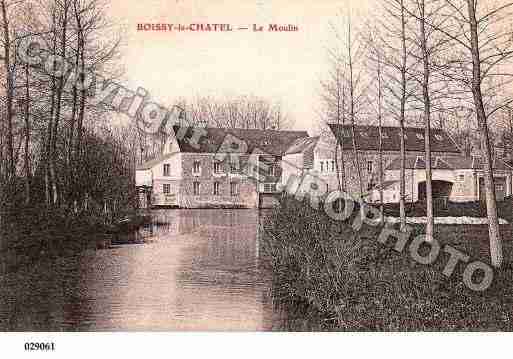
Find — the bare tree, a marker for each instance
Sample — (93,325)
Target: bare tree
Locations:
(398,60)
(9,90)
(353,83)
(334,98)
(481,45)
(349,55)
(430,222)
(375,56)
(491,204)
(235,112)
(403,71)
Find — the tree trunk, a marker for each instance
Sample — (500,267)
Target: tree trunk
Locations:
(402,172)
(9,93)
(47,162)
(356,159)
(380,145)
(491,203)
(28,174)
(58,107)
(341,170)
(81,111)
(430,222)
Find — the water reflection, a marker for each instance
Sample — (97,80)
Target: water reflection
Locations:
(197,270)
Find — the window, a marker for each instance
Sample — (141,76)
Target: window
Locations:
(216,188)
(499,187)
(369,166)
(461,178)
(234,167)
(196,167)
(196,188)
(234,190)
(217,167)
(269,187)
(332,166)
(322,166)
(272,170)
(167,169)
(166,188)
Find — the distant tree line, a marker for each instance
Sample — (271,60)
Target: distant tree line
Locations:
(240,111)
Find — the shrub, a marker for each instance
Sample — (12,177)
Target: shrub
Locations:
(328,277)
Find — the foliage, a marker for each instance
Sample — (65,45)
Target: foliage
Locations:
(327,277)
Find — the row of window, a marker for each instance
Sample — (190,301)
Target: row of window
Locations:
(384,134)
(329,166)
(218,168)
(234,188)
(325,166)
(196,168)
(269,187)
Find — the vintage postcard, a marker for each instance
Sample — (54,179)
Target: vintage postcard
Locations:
(254,165)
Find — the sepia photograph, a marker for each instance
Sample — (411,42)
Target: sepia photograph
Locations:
(254,166)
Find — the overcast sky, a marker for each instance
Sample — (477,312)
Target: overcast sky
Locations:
(284,66)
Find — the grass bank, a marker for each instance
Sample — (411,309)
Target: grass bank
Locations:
(470,209)
(328,277)
(30,233)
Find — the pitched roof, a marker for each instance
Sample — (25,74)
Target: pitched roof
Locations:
(273,142)
(367,138)
(446,163)
(302,144)
(417,162)
(476,162)
(152,163)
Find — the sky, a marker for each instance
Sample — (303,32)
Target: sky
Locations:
(280,66)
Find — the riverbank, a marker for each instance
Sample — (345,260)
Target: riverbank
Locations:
(200,273)
(328,277)
(31,233)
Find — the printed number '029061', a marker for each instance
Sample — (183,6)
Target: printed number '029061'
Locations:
(31,346)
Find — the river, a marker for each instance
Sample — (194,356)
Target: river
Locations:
(192,270)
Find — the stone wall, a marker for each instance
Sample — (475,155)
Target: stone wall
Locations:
(246,195)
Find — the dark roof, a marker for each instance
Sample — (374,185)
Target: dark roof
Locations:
(152,163)
(302,144)
(417,162)
(476,162)
(367,138)
(273,142)
(446,163)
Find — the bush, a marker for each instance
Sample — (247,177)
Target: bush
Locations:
(328,277)
(32,233)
